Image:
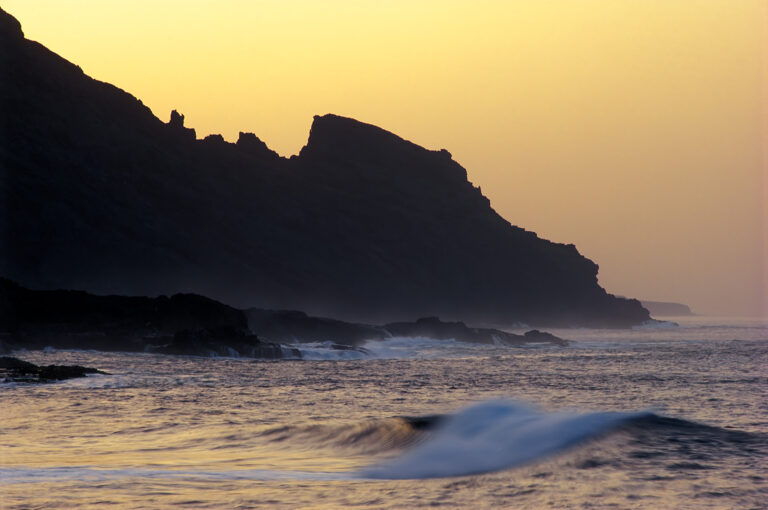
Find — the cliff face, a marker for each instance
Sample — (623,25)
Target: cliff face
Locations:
(97,193)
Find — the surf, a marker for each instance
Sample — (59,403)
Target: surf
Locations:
(496,435)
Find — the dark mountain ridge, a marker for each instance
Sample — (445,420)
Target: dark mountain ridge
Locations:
(97,193)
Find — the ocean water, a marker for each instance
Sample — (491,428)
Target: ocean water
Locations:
(656,417)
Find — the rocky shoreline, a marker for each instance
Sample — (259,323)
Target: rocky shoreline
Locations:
(189,324)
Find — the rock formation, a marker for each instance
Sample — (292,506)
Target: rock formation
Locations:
(99,194)
(16,370)
(181,324)
(188,324)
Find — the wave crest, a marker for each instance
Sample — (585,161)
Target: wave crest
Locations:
(496,435)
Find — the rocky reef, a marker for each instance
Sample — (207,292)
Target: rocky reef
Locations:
(99,194)
(16,370)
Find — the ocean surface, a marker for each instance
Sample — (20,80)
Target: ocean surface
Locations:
(655,417)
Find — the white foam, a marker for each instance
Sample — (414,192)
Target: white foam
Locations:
(394,348)
(423,348)
(656,324)
(495,435)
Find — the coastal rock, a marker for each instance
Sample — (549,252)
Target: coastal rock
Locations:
(225,341)
(16,370)
(182,324)
(101,195)
(292,326)
(297,327)
(187,324)
(433,327)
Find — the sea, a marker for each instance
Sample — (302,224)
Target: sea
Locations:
(661,416)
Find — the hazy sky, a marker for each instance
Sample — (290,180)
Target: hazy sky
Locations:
(635,129)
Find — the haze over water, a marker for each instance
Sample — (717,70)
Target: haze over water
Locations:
(648,418)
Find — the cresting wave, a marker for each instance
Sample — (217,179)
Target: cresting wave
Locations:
(481,438)
(496,435)
(368,437)
(502,434)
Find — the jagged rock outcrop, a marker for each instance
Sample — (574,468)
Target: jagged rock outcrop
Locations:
(99,194)
(294,327)
(176,126)
(225,341)
(433,327)
(254,146)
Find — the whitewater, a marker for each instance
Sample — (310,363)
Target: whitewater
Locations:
(660,416)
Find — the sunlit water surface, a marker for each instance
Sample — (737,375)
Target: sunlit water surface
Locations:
(165,431)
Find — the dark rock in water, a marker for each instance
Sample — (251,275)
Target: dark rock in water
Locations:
(9,363)
(432,327)
(225,341)
(291,326)
(16,370)
(101,195)
(182,324)
(187,324)
(536,336)
(297,327)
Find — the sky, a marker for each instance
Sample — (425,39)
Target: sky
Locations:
(635,129)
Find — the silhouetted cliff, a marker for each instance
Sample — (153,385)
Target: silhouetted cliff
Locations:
(98,193)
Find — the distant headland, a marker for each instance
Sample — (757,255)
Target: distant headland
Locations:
(99,194)
(667,309)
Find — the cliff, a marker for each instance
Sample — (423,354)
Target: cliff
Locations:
(99,194)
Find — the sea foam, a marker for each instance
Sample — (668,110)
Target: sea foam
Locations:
(495,435)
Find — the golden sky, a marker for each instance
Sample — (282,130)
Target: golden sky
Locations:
(635,129)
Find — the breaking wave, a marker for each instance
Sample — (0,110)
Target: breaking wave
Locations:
(496,435)
(481,438)
(368,437)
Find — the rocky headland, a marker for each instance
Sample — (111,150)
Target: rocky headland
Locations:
(99,194)
(667,309)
